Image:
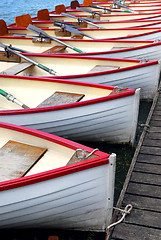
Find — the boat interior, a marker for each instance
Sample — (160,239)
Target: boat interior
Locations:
(23,154)
(49,93)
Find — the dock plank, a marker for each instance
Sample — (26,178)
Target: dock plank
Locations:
(148,190)
(143,202)
(148,178)
(142,187)
(133,232)
(146,158)
(147,168)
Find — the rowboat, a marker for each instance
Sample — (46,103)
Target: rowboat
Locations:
(78,111)
(129,73)
(117,4)
(131,5)
(50,182)
(114,10)
(103,17)
(43,20)
(95,48)
(64,31)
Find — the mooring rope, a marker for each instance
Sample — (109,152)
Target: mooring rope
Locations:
(124,212)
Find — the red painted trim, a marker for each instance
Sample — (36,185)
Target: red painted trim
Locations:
(50,137)
(129,92)
(56,173)
(101,159)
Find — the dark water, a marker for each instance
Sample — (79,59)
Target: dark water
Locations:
(9,9)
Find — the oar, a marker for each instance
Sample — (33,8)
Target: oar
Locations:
(7,48)
(123,6)
(88,11)
(11,98)
(71,29)
(44,34)
(18,49)
(107,9)
(80,19)
(99,7)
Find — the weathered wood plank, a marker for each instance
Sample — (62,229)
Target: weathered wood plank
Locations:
(151,142)
(153,135)
(144,218)
(148,178)
(76,157)
(155,122)
(17,68)
(59,98)
(147,168)
(153,129)
(146,158)
(56,49)
(100,68)
(141,202)
(125,231)
(144,190)
(17,158)
(151,150)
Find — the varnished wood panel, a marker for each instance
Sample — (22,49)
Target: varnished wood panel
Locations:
(17,158)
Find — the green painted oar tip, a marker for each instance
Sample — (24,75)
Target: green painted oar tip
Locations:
(78,50)
(3,93)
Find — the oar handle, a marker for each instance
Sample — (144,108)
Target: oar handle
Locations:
(11,98)
(51,71)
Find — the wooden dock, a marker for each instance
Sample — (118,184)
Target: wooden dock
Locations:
(142,187)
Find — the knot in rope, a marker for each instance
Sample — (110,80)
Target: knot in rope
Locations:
(124,212)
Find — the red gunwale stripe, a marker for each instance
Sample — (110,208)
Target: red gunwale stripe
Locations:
(149,44)
(129,92)
(59,172)
(101,159)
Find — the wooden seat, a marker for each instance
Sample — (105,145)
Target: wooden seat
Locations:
(3,28)
(23,20)
(9,57)
(79,156)
(87,2)
(62,33)
(102,68)
(74,4)
(60,98)
(56,49)
(14,70)
(60,8)
(16,159)
(43,14)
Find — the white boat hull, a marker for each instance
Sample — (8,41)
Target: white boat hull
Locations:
(146,78)
(68,202)
(111,121)
(77,196)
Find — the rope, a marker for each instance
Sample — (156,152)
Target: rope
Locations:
(84,153)
(124,212)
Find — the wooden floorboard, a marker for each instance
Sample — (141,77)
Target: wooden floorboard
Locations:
(134,232)
(142,188)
